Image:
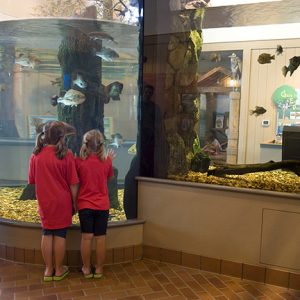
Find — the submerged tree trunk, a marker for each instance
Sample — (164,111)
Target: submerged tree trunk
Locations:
(292,165)
(78,60)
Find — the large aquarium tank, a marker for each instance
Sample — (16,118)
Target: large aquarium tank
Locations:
(72,61)
(225,82)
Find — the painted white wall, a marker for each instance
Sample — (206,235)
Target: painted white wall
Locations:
(240,225)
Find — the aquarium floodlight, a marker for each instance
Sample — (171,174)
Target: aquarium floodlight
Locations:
(214,3)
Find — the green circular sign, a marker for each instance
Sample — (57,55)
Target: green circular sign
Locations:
(284,94)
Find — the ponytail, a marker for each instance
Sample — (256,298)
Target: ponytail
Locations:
(93,143)
(101,152)
(39,143)
(84,151)
(61,149)
(53,133)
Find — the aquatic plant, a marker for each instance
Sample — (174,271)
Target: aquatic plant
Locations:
(200,160)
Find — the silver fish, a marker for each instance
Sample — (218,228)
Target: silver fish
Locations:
(72,98)
(196,4)
(56,81)
(101,36)
(27,61)
(107,54)
(80,82)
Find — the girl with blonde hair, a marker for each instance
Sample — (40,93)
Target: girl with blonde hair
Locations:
(94,168)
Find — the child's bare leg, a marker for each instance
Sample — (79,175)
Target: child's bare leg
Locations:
(100,253)
(86,249)
(46,247)
(59,246)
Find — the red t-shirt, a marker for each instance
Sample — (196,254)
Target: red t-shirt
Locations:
(93,174)
(53,178)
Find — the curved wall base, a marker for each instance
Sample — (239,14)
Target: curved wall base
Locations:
(20,242)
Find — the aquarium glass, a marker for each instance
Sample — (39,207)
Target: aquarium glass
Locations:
(73,61)
(225,81)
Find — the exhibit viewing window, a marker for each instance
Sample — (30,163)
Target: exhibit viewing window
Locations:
(76,62)
(225,82)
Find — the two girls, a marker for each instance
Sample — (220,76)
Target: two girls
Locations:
(53,170)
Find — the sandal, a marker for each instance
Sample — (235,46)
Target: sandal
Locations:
(98,275)
(48,278)
(88,275)
(62,276)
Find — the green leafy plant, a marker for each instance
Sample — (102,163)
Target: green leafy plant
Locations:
(200,160)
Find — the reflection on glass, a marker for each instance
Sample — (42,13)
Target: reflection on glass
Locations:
(80,70)
(219,80)
(219,120)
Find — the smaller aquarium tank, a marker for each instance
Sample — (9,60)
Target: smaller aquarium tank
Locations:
(212,93)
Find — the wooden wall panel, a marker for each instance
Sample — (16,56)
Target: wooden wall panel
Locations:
(264,79)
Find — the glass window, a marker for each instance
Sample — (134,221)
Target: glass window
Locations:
(74,62)
(216,69)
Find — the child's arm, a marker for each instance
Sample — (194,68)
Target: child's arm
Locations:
(74,192)
(111,154)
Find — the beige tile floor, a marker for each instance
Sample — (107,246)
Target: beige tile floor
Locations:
(133,281)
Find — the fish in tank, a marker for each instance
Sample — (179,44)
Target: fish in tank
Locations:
(65,69)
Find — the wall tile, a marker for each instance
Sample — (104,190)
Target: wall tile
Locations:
(29,256)
(210,264)
(277,277)
(38,257)
(170,256)
(10,253)
(151,252)
(190,260)
(109,257)
(2,251)
(137,252)
(128,253)
(118,255)
(294,282)
(231,268)
(19,255)
(254,273)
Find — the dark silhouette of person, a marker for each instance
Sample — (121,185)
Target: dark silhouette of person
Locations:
(143,164)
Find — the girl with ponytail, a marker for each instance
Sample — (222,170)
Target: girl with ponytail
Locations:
(94,168)
(52,169)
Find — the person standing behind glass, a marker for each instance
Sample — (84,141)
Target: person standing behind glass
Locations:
(52,170)
(94,168)
(149,148)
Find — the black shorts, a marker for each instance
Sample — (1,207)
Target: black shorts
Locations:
(93,221)
(56,232)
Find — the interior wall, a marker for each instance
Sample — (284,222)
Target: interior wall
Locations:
(264,80)
(223,223)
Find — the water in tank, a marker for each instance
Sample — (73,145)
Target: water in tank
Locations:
(77,63)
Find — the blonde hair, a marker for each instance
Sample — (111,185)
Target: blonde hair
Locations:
(53,133)
(93,142)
